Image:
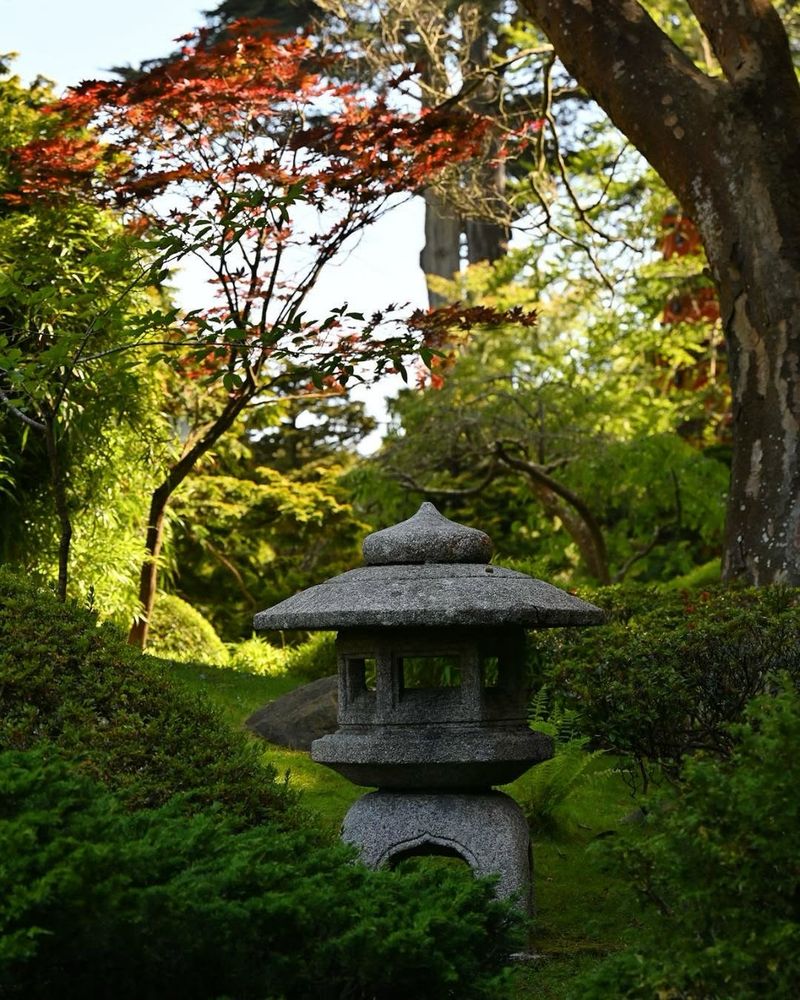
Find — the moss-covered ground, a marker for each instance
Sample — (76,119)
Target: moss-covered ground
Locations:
(582,911)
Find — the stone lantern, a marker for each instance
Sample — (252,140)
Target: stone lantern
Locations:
(433,693)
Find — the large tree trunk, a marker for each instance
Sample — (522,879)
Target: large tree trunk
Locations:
(729,148)
(441,254)
(487,238)
(757,270)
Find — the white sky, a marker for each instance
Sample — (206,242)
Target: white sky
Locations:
(73,40)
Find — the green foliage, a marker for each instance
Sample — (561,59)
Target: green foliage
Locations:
(672,669)
(257,656)
(98,901)
(314,658)
(551,439)
(179,632)
(272,515)
(311,659)
(701,576)
(72,280)
(548,792)
(719,862)
(64,679)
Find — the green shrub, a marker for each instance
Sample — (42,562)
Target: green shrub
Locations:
(314,658)
(177,631)
(671,670)
(257,656)
(719,863)
(97,901)
(547,792)
(66,680)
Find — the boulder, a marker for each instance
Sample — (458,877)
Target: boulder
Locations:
(298,718)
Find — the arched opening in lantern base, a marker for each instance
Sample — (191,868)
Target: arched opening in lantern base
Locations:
(428,846)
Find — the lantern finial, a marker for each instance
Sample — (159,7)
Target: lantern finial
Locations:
(427,537)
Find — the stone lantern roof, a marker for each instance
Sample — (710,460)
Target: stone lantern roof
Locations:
(428,571)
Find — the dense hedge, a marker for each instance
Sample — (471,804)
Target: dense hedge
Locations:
(64,679)
(103,902)
(669,671)
(718,863)
(146,852)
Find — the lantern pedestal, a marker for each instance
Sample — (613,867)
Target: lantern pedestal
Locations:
(486,829)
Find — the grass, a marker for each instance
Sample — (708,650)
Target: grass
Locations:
(582,912)
(326,794)
(236,693)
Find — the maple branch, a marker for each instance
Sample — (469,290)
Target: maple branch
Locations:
(223,560)
(70,373)
(587,532)
(568,237)
(639,554)
(170,344)
(580,211)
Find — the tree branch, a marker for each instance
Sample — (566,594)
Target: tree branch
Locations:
(583,528)
(35,424)
(411,484)
(750,43)
(650,88)
(640,553)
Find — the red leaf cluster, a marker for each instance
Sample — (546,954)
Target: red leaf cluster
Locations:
(213,151)
(681,236)
(46,168)
(691,303)
(438,325)
(699,305)
(445,327)
(247,107)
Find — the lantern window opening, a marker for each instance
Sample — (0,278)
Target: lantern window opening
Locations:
(490,666)
(362,674)
(421,672)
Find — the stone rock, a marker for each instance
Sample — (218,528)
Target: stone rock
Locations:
(298,718)
(435,756)
(434,594)
(488,831)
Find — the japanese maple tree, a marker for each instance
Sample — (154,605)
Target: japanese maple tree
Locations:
(229,154)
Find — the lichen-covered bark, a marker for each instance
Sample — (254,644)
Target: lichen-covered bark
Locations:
(757,270)
(729,148)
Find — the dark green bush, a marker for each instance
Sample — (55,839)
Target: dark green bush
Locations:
(719,862)
(671,670)
(66,680)
(103,902)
